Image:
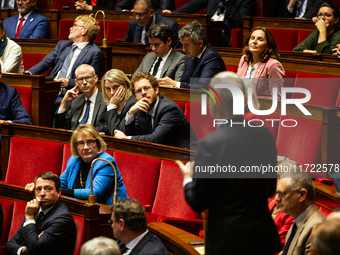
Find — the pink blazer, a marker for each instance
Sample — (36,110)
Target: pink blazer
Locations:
(272,69)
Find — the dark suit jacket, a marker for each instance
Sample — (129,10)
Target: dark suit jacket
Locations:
(69,120)
(35,27)
(210,64)
(171,127)
(91,55)
(311,9)
(134,32)
(11,107)
(149,245)
(103,4)
(59,234)
(158,5)
(173,66)
(239,221)
(111,120)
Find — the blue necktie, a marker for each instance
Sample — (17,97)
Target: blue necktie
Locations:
(66,64)
(87,111)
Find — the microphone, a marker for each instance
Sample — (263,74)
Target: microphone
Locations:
(91,197)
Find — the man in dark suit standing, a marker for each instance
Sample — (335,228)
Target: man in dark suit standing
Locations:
(128,221)
(86,108)
(163,61)
(27,24)
(158,6)
(11,108)
(155,118)
(48,226)
(68,55)
(201,62)
(144,20)
(239,221)
(303,9)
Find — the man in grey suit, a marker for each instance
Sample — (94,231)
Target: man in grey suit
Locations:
(163,61)
(86,108)
(295,196)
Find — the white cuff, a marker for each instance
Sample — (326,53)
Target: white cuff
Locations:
(111,106)
(129,119)
(28,222)
(186,181)
(178,84)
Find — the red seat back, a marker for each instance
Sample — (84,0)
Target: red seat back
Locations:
(37,156)
(80,226)
(17,217)
(66,156)
(237,38)
(180,104)
(170,199)
(301,143)
(140,176)
(324,89)
(289,81)
(202,124)
(303,34)
(31,60)
(25,94)
(286,39)
(325,211)
(7,209)
(116,30)
(232,68)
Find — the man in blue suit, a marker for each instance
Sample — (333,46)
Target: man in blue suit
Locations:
(27,24)
(48,226)
(201,62)
(11,108)
(145,18)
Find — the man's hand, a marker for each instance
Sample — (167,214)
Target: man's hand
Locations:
(119,134)
(24,251)
(336,51)
(142,105)
(292,3)
(64,82)
(70,95)
(3,121)
(40,234)
(186,169)
(321,25)
(29,187)
(166,81)
(82,5)
(167,11)
(32,209)
(118,97)
(309,51)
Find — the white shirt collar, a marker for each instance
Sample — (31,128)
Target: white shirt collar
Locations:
(81,45)
(299,218)
(26,16)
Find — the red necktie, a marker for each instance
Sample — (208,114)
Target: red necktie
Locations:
(19,27)
(93,2)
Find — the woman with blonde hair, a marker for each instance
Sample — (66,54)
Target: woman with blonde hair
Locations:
(118,97)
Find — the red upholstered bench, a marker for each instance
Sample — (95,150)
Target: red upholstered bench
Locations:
(29,157)
(301,143)
(80,225)
(237,38)
(7,208)
(31,60)
(116,30)
(181,105)
(286,39)
(232,68)
(303,34)
(324,89)
(25,94)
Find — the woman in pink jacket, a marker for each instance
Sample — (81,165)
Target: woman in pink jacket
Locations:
(260,62)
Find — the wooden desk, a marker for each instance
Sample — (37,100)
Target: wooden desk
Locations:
(43,94)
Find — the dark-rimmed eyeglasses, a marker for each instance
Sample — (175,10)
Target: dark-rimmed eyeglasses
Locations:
(141,14)
(76,25)
(285,193)
(87,79)
(145,89)
(89,143)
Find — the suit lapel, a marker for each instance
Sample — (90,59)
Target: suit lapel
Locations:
(150,62)
(63,56)
(28,22)
(96,107)
(138,34)
(140,244)
(80,57)
(3,95)
(77,110)
(167,63)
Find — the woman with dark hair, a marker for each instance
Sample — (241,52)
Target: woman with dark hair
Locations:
(10,54)
(326,35)
(118,97)
(260,62)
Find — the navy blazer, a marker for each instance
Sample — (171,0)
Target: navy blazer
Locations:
(134,32)
(69,120)
(209,64)
(239,220)
(59,235)
(149,245)
(35,27)
(91,55)
(158,5)
(11,107)
(171,127)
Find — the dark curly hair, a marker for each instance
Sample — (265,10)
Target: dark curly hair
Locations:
(132,212)
(272,50)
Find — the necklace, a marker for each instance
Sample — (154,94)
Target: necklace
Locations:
(81,178)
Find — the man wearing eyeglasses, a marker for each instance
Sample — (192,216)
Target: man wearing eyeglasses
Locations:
(86,108)
(144,20)
(154,118)
(295,196)
(27,24)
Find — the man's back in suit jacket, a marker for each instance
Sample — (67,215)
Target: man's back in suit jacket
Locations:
(70,119)
(149,245)
(59,234)
(91,55)
(173,66)
(35,27)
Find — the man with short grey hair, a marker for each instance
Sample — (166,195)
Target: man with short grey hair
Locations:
(101,245)
(326,239)
(295,196)
(202,61)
